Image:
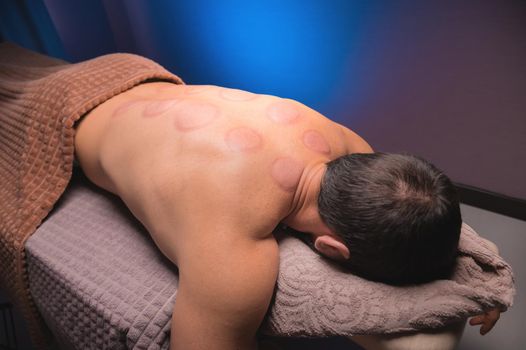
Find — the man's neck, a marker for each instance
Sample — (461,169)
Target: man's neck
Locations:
(304,214)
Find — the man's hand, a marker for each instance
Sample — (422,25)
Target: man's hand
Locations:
(487,320)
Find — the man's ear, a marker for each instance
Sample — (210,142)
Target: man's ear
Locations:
(332,247)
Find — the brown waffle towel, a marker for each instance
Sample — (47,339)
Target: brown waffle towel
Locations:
(40,100)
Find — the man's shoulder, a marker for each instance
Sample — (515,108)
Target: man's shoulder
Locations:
(354,142)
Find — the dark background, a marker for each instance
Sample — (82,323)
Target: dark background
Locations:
(442,79)
(445,80)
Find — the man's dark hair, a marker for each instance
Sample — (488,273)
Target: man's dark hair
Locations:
(397,213)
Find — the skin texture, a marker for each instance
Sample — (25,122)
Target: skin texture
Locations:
(237,95)
(125,107)
(157,108)
(211,172)
(283,112)
(193,115)
(243,139)
(286,172)
(316,142)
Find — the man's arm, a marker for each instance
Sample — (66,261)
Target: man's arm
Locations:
(224,291)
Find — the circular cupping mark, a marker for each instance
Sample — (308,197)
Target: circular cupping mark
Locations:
(243,139)
(286,172)
(193,115)
(156,108)
(125,107)
(283,112)
(316,142)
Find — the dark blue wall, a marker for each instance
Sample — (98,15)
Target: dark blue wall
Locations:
(29,25)
(444,80)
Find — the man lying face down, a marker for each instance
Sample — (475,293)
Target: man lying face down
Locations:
(398,216)
(211,172)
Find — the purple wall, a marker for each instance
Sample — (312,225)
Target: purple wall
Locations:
(446,81)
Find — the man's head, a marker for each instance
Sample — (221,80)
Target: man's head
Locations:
(397,214)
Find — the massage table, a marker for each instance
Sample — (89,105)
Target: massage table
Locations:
(98,287)
(99,281)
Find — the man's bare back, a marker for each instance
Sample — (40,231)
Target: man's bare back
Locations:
(211,172)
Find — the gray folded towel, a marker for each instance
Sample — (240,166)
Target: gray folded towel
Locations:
(317,298)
